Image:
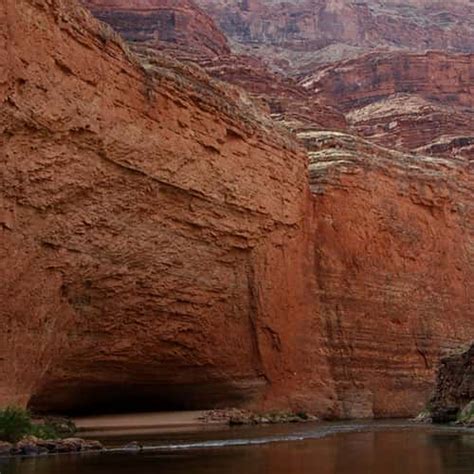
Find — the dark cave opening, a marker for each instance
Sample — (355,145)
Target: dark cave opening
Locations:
(115,398)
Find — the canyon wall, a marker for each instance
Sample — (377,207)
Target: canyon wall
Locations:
(408,101)
(302,34)
(394,254)
(404,100)
(162,246)
(200,42)
(176,25)
(153,242)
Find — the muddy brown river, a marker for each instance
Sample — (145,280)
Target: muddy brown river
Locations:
(330,448)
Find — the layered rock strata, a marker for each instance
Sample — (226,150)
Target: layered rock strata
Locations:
(161,247)
(177,25)
(406,101)
(150,224)
(411,102)
(393,247)
(194,38)
(301,34)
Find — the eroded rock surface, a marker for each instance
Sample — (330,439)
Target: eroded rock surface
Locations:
(194,38)
(408,101)
(454,390)
(150,224)
(412,102)
(161,246)
(301,34)
(393,237)
(177,25)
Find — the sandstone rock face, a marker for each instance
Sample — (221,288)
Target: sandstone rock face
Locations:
(150,224)
(434,75)
(161,246)
(406,101)
(454,386)
(178,25)
(288,102)
(393,245)
(196,39)
(307,32)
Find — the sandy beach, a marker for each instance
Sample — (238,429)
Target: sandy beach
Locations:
(143,423)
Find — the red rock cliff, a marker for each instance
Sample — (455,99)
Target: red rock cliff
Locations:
(403,100)
(302,33)
(193,37)
(393,245)
(163,24)
(152,228)
(160,245)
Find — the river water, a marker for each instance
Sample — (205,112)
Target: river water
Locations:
(335,448)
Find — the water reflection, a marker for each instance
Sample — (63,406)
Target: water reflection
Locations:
(417,451)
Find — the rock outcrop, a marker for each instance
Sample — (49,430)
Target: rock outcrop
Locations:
(413,102)
(393,238)
(300,34)
(177,25)
(150,224)
(161,246)
(196,39)
(408,101)
(454,390)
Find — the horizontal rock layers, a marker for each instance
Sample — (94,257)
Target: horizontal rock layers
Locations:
(393,244)
(161,246)
(196,39)
(402,100)
(300,34)
(408,101)
(177,25)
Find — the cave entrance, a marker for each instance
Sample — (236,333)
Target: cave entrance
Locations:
(113,398)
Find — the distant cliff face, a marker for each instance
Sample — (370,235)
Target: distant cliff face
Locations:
(179,28)
(163,24)
(304,33)
(408,101)
(418,102)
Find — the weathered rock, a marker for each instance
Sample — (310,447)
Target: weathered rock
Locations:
(283,97)
(393,251)
(404,101)
(236,417)
(454,390)
(153,220)
(298,34)
(177,25)
(160,246)
(33,446)
(466,415)
(412,102)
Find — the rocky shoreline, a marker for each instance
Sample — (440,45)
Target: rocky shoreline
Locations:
(236,416)
(33,446)
(453,398)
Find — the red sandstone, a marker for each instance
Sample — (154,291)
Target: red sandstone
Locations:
(161,245)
